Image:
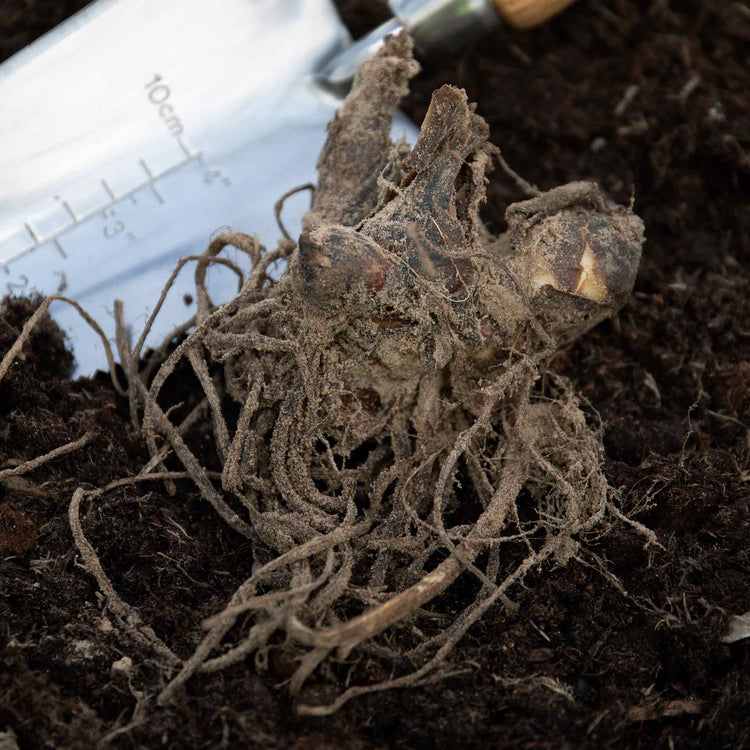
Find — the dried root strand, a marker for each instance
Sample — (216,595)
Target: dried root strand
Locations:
(129,619)
(388,429)
(35,463)
(301,499)
(33,321)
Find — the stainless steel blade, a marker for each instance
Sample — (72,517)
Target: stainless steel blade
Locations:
(134,131)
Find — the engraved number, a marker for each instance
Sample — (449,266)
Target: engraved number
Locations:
(15,287)
(112,230)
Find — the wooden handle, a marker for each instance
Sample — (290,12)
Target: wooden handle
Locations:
(522,14)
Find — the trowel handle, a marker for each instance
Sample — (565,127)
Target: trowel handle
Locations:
(437,25)
(524,14)
(451,24)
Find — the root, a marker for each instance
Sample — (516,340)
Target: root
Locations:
(279,205)
(15,350)
(35,463)
(387,430)
(127,617)
(346,637)
(424,675)
(32,322)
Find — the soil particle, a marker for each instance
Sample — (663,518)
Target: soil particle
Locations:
(17,533)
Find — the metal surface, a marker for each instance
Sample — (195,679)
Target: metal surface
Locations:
(337,74)
(135,130)
(440,24)
(433,24)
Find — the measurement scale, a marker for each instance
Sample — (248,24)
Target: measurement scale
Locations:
(133,132)
(136,130)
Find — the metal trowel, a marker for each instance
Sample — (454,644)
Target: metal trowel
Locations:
(137,129)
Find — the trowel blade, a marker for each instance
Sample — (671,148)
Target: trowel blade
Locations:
(134,131)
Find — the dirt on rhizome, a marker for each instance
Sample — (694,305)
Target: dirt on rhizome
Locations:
(379,424)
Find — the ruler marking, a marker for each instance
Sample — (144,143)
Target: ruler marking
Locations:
(31,232)
(185,149)
(110,192)
(146,169)
(70,211)
(130,195)
(14,258)
(63,285)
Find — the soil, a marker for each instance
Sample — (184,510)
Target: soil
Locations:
(649,101)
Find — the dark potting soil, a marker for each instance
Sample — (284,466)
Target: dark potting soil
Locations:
(648,99)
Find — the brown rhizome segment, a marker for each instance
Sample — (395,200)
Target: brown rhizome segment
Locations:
(389,432)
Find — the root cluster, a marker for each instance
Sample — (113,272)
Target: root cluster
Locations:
(396,427)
